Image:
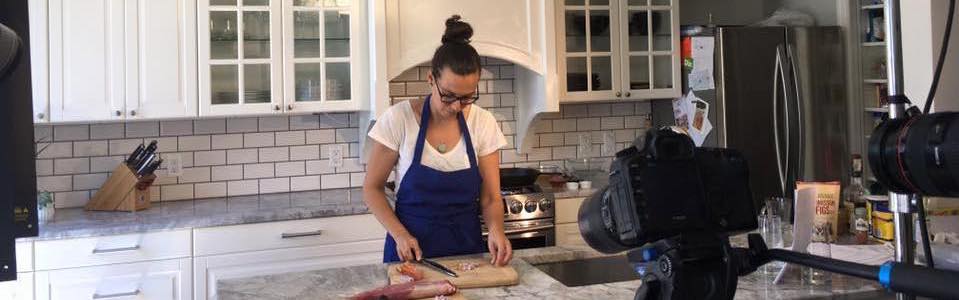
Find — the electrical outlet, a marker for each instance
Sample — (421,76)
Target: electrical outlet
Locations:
(336,156)
(174,164)
(585,147)
(609,143)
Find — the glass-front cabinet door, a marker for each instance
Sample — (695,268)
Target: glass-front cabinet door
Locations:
(319,68)
(239,57)
(651,51)
(589,50)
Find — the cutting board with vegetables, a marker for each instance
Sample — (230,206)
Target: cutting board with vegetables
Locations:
(483,275)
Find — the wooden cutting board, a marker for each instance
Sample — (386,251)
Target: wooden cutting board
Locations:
(484,275)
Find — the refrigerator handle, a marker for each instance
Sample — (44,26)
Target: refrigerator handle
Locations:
(793,67)
(783,170)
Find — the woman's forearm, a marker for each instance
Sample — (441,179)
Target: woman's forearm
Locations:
(493,213)
(376,201)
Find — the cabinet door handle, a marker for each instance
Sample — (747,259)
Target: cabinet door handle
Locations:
(277,107)
(619,94)
(289,107)
(300,234)
(116,295)
(627,94)
(40,116)
(114,250)
(118,113)
(133,112)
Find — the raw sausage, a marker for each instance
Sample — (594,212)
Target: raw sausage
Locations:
(409,290)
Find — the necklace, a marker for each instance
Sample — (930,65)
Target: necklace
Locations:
(441,148)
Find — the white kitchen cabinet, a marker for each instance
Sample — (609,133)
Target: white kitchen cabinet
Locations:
(104,250)
(567,224)
(618,50)
(258,57)
(20,289)
(114,60)
(210,269)
(286,234)
(164,279)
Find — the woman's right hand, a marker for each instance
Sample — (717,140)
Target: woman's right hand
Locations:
(407,248)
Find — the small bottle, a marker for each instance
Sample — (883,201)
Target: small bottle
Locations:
(855,192)
(861,230)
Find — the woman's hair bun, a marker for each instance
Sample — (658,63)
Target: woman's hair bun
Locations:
(457,31)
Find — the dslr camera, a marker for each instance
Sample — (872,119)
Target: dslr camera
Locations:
(667,187)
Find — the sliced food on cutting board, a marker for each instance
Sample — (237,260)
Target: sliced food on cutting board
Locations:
(473,273)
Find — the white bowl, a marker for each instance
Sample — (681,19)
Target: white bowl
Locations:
(572,185)
(585,184)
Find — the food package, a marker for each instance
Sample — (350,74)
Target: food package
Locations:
(826,216)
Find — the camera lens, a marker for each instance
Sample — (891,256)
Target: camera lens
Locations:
(918,155)
(596,225)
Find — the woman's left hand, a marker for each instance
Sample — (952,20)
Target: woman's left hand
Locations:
(500,249)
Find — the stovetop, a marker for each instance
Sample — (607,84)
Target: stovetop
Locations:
(527,203)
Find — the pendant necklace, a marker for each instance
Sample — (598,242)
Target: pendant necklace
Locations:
(441,148)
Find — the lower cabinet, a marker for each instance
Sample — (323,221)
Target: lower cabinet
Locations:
(567,226)
(165,279)
(210,269)
(20,289)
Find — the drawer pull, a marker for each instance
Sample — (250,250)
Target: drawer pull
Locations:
(114,250)
(301,234)
(117,295)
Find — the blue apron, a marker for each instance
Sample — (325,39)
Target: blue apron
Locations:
(440,209)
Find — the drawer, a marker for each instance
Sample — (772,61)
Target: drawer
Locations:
(94,251)
(287,234)
(24,256)
(567,209)
(568,235)
(165,279)
(20,289)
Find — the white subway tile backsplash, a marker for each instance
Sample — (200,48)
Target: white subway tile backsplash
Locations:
(354,150)
(489,72)
(486,101)
(500,86)
(54,150)
(507,100)
(293,168)
(107,131)
(564,152)
(163,178)
(322,136)
(228,172)
(511,156)
(176,192)
(105,163)
(279,123)
(308,152)
(71,166)
(551,139)
(336,120)
(209,190)
(274,185)
(227,141)
(623,109)
(587,124)
(625,135)
(165,144)
(507,72)
(290,138)
(143,129)
(305,183)
(564,125)
(599,110)
(44,167)
(186,158)
(71,132)
(209,126)
(611,123)
(322,166)
(174,128)
(644,108)
(508,128)
(242,125)
(503,113)
(71,199)
(411,74)
(351,165)
(242,156)
(42,133)
(89,181)
(538,154)
(90,148)
(356,179)
(55,183)
(397,89)
(242,187)
(571,138)
(262,139)
(418,88)
(335,181)
(195,174)
(574,110)
(274,154)
(302,122)
(194,143)
(325,150)
(258,171)
(347,135)
(124,147)
(635,121)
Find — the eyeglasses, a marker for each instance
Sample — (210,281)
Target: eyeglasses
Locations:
(448,97)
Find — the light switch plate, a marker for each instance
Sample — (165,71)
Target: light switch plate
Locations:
(609,143)
(174,164)
(336,156)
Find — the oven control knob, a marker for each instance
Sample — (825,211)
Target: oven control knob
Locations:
(515,206)
(530,206)
(545,204)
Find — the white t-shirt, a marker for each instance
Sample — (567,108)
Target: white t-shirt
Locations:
(398,128)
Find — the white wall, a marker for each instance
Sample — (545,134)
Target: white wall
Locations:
(724,12)
(922,28)
(824,11)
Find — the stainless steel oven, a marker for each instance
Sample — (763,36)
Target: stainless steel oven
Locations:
(528,217)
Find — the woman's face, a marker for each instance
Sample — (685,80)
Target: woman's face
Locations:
(451,86)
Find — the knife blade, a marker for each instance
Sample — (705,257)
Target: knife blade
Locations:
(136,154)
(150,149)
(149,169)
(436,266)
(144,163)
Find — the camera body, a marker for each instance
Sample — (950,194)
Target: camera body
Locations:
(668,188)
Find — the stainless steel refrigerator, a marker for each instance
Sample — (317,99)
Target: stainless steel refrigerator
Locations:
(780,98)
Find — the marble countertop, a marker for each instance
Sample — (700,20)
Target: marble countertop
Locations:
(339,283)
(76,222)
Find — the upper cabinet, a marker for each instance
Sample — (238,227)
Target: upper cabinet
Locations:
(262,56)
(113,60)
(618,49)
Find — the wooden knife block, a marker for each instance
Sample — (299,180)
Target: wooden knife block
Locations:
(123,191)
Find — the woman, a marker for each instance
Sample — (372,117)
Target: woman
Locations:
(447,154)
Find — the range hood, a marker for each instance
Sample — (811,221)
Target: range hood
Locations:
(405,33)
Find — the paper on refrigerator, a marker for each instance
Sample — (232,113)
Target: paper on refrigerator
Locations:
(692,114)
(701,76)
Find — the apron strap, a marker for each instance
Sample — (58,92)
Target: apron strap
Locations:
(421,136)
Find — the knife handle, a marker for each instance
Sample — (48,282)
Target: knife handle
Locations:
(136,153)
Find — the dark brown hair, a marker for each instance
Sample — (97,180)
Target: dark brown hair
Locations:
(456,52)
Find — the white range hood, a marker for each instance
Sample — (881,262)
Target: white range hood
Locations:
(405,33)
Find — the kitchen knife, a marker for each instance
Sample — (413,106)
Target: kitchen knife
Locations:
(150,168)
(436,266)
(144,163)
(136,154)
(150,149)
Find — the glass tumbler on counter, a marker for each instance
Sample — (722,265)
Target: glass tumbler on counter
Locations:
(820,245)
(770,228)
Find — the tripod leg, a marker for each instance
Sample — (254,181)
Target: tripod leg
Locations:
(648,290)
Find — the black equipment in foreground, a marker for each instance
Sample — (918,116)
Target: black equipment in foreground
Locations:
(674,205)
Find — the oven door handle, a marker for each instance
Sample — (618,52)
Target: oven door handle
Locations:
(523,230)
